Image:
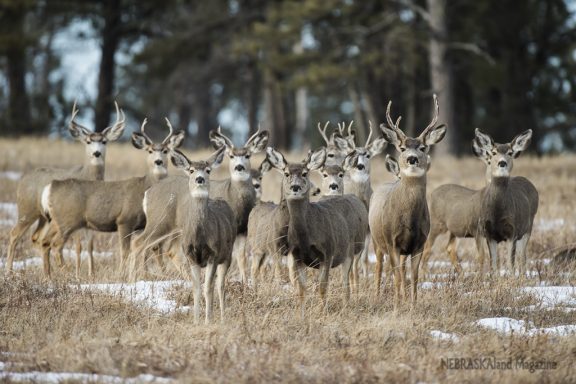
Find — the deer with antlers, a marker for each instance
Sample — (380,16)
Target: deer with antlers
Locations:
(105,206)
(398,215)
(29,192)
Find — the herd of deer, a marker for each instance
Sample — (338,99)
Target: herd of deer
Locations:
(204,223)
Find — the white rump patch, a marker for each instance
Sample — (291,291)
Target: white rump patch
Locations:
(145,203)
(45,199)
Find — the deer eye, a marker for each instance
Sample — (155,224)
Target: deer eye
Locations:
(422,148)
(231,156)
(247,156)
(340,175)
(208,170)
(192,170)
(150,151)
(88,142)
(367,155)
(324,175)
(304,174)
(330,155)
(402,149)
(165,151)
(104,141)
(286,174)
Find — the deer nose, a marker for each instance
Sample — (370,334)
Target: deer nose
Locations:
(200,180)
(412,160)
(97,154)
(333,187)
(295,188)
(239,168)
(158,162)
(257,186)
(360,167)
(502,164)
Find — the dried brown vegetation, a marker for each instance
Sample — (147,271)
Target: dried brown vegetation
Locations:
(57,327)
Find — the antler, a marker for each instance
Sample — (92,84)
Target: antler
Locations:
(395,126)
(370,134)
(142,129)
(224,137)
(120,118)
(323,132)
(171,131)
(75,111)
(435,115)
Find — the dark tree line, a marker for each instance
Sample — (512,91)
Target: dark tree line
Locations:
(501,65)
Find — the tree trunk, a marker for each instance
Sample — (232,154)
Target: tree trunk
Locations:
(18,104)
(110,41)
(441,74)
(274,112)
(203,112)
(253,95)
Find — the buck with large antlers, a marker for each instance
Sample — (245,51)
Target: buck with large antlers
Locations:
(317,234)
(30,188)
(398,215)
(105,206)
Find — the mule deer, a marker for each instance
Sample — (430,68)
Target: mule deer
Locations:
(29,192)
(317,234)
(105,206)
(508,205)
(208,229)
(398,215)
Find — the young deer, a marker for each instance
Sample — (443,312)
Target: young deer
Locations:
(507,205)
(208,229)
(29,193)
(105,206)
(317,234)
(398,215)
(354,210)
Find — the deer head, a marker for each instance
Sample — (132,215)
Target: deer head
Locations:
(95,142)
(413,160)
(157,153)
(332,180)
(337,146)
(296,182)
(499,157)
(198,171)
(357,162)
(240,156)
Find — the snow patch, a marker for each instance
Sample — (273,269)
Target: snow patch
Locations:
(444,336)
(553,296)
(507,325)
(59,377)
(11,175)
(11,211)
(152,294)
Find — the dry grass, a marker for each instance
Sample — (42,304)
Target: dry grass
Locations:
(54,326)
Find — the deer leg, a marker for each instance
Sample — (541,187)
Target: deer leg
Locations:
(292,270)
(221,279)
(493,250)
(511,257)
(521,246)
(257,259)
(78,243)
(393,260)
(90,250)
(414,265)
(38,232)
(15,235)
(240,256)
(364,256)
(389,272)
(209,290)
(324,276)
(300,281)
(196,288)
(481,253)
(378,272)
(403,276)
(451,249)
(347,270)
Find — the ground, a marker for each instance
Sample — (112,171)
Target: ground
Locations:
(464,328)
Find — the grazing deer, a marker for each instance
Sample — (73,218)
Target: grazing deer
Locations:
(29,193)
(238,191)
(398,215)
(105,206)
(317,234)
(208,229)
(507,205)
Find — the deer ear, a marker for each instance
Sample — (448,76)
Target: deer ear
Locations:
(139,141)
(218,139)
(179,160)
(258,142)
(216,159)
(265,166)
(390,136)
(520,142)
(350,160)
(317,159)
(392,165)
(175,140)
(276,159)
(78,132)
(377,147)
(479,151)
(484,141)
(114,132)
(435,135)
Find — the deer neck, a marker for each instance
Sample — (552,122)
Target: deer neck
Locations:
(297,226)
(93,171)
(496,191)
(156,176)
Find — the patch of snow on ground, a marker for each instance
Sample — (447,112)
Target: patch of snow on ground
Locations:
(10,210)
(553,296)
(59,377)
(11,175)
(69,255)
(507,325)
(152,294)
(444,336)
